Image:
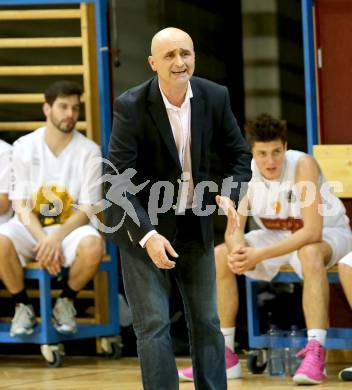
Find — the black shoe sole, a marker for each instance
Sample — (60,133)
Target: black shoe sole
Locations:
(345,375)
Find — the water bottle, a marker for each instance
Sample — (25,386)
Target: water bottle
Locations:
(295,343)
(276,361)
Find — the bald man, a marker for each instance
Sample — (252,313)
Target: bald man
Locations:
(164,129)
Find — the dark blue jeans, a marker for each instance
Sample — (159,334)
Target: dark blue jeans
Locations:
(148,290)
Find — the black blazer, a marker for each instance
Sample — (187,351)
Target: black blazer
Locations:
(142,139)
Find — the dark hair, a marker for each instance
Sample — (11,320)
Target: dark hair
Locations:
(265,128)
(60,89)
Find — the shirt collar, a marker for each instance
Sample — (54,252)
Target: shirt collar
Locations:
(169,106)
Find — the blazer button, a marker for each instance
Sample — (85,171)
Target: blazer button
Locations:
(174,206)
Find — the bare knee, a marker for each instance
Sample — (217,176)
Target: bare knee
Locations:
(7,250)
(222,269)
(344,269)
(11,271)
(91,250)
(312,259)
(5,245)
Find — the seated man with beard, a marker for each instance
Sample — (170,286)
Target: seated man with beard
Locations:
(53,189)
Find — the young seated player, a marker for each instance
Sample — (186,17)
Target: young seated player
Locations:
(301,223)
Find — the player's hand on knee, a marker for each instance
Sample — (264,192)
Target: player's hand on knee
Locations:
(245,259)
(235,259)
(157,248)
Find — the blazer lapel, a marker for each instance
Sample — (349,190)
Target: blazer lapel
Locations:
(161,120)
(197,128)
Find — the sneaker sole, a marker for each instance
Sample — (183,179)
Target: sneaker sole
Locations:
(345,375)
(301,379)
(184,378)
(24,332)
(65,331)
(63,328)
(234,372)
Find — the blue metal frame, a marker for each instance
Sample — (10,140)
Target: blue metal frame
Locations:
(337,338)
(309,73)
(45,333)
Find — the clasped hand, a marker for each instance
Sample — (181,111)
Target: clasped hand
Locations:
(243,259)
(48,253)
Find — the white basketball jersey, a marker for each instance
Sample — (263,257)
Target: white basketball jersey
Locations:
(275,204)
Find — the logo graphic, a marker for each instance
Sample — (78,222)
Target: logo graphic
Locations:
(120,186)
(52,204)
(277,207)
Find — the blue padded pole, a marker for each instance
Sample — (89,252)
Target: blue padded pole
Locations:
(101,9)
(309,74)
(105,125)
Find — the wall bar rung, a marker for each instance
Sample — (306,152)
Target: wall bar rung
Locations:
(7,43)
(27,126)
(24,98)
(40,70)
(40,14)
(21,98)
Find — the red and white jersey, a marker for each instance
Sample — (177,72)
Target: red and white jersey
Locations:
(275,204)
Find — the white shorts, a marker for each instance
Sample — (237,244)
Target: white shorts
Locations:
(339,239)
(347,259)
(24,242)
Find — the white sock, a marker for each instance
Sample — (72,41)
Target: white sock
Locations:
(229,335)
(318,335)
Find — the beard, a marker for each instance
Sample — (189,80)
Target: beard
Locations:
(65,126)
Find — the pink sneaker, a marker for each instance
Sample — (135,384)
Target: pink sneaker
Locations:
(233,367)
(311,370)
